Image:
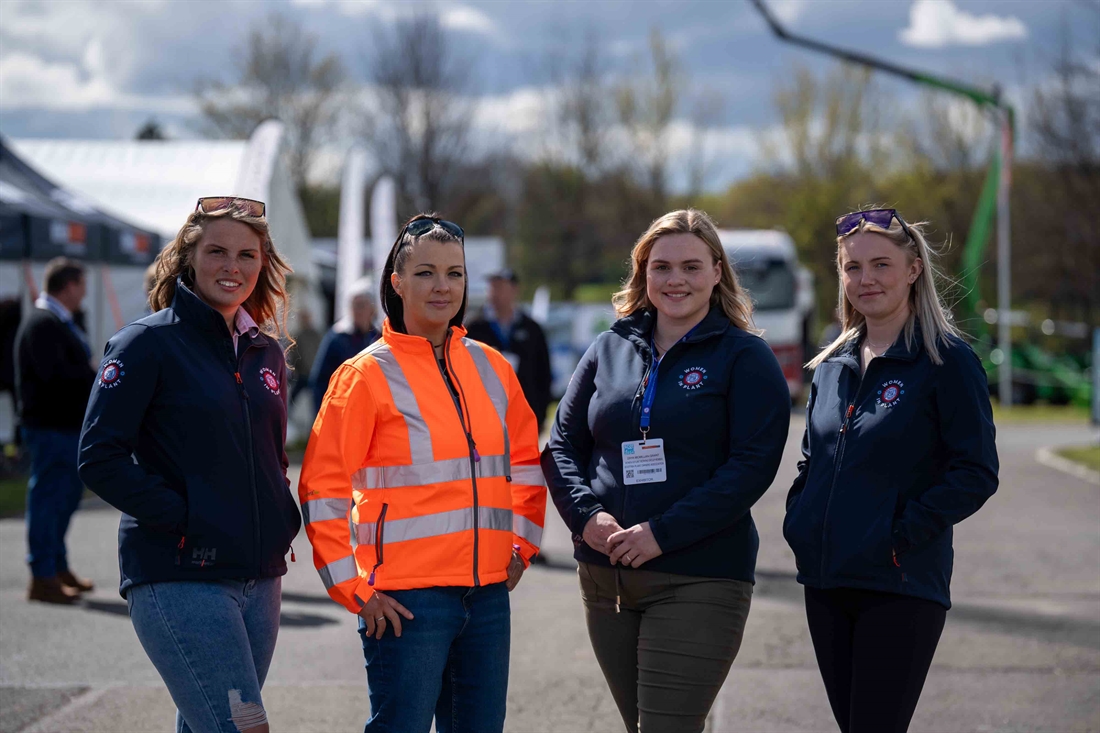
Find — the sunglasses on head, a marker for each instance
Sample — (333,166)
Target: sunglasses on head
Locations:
(250,207)
(421,227)
(879,217)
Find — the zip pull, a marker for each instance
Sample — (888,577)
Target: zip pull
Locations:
(847,417)
(292,554)
(238,376)
(370,579)
(179,548)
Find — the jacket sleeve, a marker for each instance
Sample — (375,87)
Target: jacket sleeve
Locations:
(337,448)
(543,376)
(112,426)
(45,347)
(565,459)
(799,482)
(759,416)
(969,438)
(528,484)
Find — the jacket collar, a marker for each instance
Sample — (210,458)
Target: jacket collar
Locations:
(848,354)
(417,344)
(638,326)
(191,309)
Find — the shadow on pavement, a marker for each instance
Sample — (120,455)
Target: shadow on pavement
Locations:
(307,598)
(289,619)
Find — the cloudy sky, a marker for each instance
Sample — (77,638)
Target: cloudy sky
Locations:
(99,69)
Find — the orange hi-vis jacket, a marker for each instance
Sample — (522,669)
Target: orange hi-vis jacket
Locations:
(404,486)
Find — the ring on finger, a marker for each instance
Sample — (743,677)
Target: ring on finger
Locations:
(379,618)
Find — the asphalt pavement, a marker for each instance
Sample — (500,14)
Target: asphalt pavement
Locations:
(1021,650)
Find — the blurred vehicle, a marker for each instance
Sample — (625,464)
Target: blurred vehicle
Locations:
(782,292)
(570,329)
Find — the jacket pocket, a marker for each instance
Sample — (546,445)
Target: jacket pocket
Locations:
(801,536)
(379,543)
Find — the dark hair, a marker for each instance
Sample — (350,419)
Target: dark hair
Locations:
(60,271)
(399,254)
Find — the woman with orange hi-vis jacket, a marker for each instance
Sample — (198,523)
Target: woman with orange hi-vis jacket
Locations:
(423,497)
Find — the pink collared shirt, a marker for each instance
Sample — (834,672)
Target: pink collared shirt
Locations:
(243,325)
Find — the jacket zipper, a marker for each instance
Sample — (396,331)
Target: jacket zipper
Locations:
(475,458)
(378,546)
(245,401)
(836,468)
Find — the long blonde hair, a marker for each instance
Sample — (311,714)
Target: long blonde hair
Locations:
(728,293)
(269,301)
(924,300)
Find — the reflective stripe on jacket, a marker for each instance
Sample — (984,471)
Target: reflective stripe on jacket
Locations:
(404,486)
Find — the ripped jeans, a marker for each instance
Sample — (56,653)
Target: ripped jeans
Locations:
(212,643)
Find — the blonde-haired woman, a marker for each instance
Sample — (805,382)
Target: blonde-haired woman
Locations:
(899,447)
(673,426)
(185,435)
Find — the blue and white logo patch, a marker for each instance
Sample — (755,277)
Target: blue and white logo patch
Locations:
(111,374)
(693,378)
(889,393)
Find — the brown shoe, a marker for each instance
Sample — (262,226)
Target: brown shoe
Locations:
(81,584)
(50,590)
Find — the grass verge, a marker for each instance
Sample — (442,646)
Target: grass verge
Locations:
(13,496)
(1088,456)
(1040,413)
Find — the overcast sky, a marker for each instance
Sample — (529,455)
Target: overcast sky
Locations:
(99,69)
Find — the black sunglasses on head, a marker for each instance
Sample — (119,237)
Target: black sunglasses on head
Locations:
(879,217)
(421,227)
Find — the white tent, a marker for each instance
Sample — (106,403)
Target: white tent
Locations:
(155,184)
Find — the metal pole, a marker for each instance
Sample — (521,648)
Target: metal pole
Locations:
(1004,266)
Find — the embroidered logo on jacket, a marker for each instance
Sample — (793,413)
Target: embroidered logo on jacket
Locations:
(890,392)
(111,374)
(693,378)
(270,380)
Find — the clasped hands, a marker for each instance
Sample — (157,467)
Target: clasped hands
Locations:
(631,547)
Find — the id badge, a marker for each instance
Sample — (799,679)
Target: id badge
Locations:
(644,461)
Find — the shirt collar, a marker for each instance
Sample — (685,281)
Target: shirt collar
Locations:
(244,324)
(47,302)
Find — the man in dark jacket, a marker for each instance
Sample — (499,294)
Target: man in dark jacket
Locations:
(512,332)
(347,337)
(53,376)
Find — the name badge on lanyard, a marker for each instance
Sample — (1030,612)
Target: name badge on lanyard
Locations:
(644,460)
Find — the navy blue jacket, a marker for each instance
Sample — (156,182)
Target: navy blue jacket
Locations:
(723,409)
(186,438)
(338,345)
(891,460)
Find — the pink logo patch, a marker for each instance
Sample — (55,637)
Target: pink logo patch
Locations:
(271,382)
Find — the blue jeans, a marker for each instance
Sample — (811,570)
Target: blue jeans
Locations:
(451,662)
(53,494)
(212,642)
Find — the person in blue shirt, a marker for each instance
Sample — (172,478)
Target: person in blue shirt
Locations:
(899,447)
(672,427)
(347,337)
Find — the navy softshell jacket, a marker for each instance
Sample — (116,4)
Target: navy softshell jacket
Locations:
(723,409)
(186,438)
(892,460)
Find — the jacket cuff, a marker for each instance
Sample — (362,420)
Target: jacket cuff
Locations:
(660,534)
(363,593)
(581,515)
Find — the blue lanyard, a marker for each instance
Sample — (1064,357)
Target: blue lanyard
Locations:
(650,393)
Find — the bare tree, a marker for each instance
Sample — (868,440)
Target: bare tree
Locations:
(279,74)
(418,119)
(646,107)
(706,112)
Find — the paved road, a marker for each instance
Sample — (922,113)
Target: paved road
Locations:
(1021,651)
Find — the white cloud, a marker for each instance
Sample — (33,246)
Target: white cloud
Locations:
(788,11)
(465,18)
(350,8)
(27,82)
(939,23)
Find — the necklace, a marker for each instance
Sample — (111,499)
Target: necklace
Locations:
(876,349)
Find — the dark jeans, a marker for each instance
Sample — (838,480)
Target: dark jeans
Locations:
(53,494)
(666,647)
(874,650)
(451,662)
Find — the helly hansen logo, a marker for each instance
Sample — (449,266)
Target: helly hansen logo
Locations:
(203,556)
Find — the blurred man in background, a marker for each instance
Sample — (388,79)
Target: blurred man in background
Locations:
(53,376)
(347,337)
(307,342)
(505,327)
